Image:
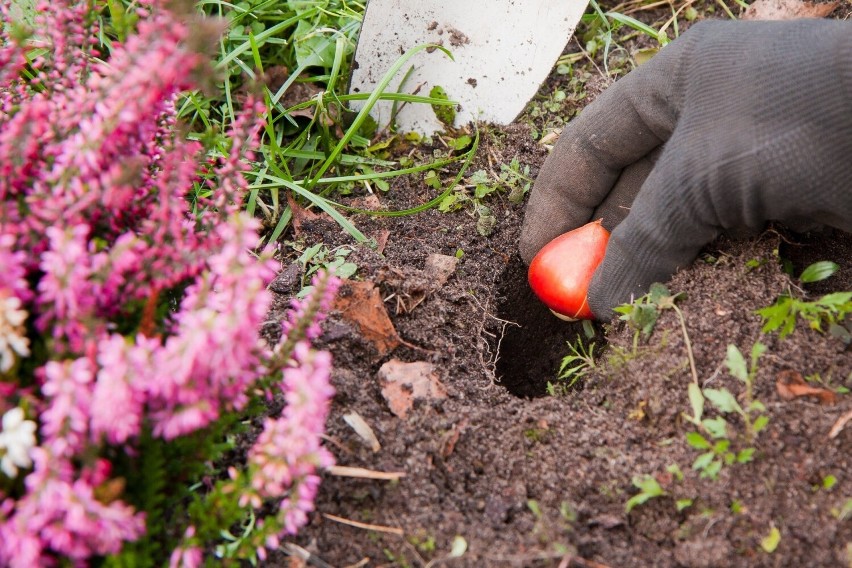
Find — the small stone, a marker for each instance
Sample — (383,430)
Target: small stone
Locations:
(403,383)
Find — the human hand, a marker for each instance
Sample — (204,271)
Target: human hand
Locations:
(731,125)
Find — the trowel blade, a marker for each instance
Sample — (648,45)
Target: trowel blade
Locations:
(503,50)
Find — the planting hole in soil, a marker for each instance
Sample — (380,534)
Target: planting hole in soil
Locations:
(531,351)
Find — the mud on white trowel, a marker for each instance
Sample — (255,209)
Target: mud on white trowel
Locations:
(503,50)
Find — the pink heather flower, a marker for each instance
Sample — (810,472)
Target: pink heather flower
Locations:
(68,391)
(186,556)
(286,455)
(215,353)
(117,400)
(313,308)
(13,277)
(66,517)
(66,294)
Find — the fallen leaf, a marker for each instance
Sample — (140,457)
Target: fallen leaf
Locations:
(787,10)
(361,304)
(363,430)
(296,93)
(439,267)
(791,385)
(840,425)
(403,383)
(382,241)
(369,202)
(300,214)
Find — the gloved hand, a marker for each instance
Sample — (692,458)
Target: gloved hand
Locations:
(729,126)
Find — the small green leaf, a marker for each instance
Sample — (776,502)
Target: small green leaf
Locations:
(696,401)
(702,461)
(682,504)
(636,500)
(771,541)
(346,270)
(446,114)
(647,484)
(675,470)
(829,481)
(657,291)
(461,142)
(757,350)
(712,470)
(697,441)
(736,363)
(760,423)
(746,455)
(649,488)
(534,507)
(723,400)
(818,271)
(716,427)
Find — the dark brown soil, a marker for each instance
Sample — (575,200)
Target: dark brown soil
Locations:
(529,479)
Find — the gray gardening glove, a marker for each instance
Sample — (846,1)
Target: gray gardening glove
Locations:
(731,125)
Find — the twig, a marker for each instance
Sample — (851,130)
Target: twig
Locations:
(359,472)
(309,558)
(365,526)
(688,343)
(840,424)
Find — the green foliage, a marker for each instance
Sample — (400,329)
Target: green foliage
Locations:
(771,541)
(642,314)
(318,257)
(444,113)
(714,437)
(481,184)
(601,31)
(781,316)
(575,366)
(830,309)
(162,480)
(649,488)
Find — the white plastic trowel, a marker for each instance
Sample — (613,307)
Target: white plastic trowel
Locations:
(503,50)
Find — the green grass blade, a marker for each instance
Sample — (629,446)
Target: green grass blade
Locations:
(365,110)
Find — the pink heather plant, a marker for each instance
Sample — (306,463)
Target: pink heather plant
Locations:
(96,244)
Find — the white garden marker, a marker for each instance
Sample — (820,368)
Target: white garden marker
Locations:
(503,50)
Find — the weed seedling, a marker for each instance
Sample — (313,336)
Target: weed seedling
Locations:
(830,309)
(649,488)
(643,313)
(717,450)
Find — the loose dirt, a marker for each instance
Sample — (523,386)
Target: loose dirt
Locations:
(530,479)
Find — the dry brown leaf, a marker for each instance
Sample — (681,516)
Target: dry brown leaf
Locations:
(787,10)
(361,304)
(382,241)
(402,383)
(300,214)
(296,93)
(791,385)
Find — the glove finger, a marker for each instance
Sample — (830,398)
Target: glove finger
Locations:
(664,231)
(618,202)
(625,123)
